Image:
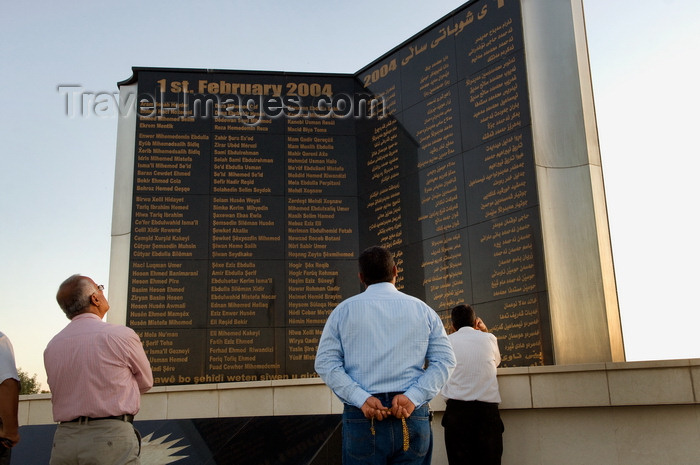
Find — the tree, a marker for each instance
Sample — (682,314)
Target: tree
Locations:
(29,385)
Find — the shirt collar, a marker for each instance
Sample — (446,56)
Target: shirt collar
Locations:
(86,315)
(381,286)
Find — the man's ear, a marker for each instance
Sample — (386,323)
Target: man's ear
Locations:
(362,278)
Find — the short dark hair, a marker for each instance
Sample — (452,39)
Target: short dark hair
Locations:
(74,294)
(376,265)
(463,315)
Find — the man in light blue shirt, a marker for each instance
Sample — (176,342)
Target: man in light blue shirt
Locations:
(385,354)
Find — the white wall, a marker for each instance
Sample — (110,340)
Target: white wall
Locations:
(637,413)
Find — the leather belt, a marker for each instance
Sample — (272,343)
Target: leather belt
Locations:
(386,397)
(125,417)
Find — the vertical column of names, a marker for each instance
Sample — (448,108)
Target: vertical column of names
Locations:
(387,154)
(499,170)
(245,282)
(321,217)
(167,290)
(433,118)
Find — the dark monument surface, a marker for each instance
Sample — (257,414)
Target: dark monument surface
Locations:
(298,440)
(254,192)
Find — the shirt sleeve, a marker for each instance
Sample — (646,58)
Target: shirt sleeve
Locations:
(330,366)
(496,352)
(140,366)
(8,369)
(130,350)
(441,361)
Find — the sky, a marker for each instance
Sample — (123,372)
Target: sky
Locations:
(57,168)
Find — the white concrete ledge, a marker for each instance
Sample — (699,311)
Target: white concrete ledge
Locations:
(601,385)
(668,382)
(637,413)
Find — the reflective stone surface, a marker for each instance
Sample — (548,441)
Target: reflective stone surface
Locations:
(293,440)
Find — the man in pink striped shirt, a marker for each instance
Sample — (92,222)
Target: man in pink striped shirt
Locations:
(96,374)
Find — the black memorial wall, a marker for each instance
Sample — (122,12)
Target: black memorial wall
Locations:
(254,192)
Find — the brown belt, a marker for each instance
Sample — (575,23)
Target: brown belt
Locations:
(125,417)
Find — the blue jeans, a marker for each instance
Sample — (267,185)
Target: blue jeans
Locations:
(385,446)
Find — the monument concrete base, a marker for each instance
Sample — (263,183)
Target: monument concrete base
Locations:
(628,413)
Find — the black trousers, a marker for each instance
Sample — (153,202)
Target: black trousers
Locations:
(5,455)
(473,433)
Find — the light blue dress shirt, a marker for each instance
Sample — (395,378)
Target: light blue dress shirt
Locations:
(379,341)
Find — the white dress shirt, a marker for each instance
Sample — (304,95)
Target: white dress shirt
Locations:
(8,369)
(474,377)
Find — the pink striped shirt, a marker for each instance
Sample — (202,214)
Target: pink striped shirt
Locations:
(96,369)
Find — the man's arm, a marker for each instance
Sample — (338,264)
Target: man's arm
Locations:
(441,362)
(9,404)
(330,366)
(140,366)
(129,348)
(496,352)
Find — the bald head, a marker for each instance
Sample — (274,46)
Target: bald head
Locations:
(74,295)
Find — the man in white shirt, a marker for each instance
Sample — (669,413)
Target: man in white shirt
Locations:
(9,400)
(473,426)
